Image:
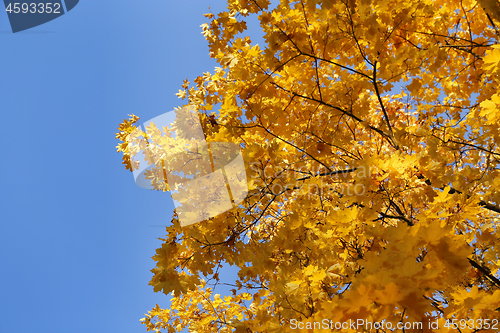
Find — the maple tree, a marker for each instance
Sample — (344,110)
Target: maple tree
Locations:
(370,133)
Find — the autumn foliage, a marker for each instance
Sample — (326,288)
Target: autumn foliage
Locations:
(370,132)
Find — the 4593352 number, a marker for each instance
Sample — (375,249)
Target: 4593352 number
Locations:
(41,8)
(474,324)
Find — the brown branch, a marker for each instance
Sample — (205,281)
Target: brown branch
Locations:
(396,217)
(374,81)
(486,272)
(350,114)
(481,203)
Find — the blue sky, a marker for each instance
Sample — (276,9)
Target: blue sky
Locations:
(77,233)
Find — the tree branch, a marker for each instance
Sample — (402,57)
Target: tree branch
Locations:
(486,272)
(374,81)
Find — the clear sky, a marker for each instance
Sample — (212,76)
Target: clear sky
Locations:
(77,234)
